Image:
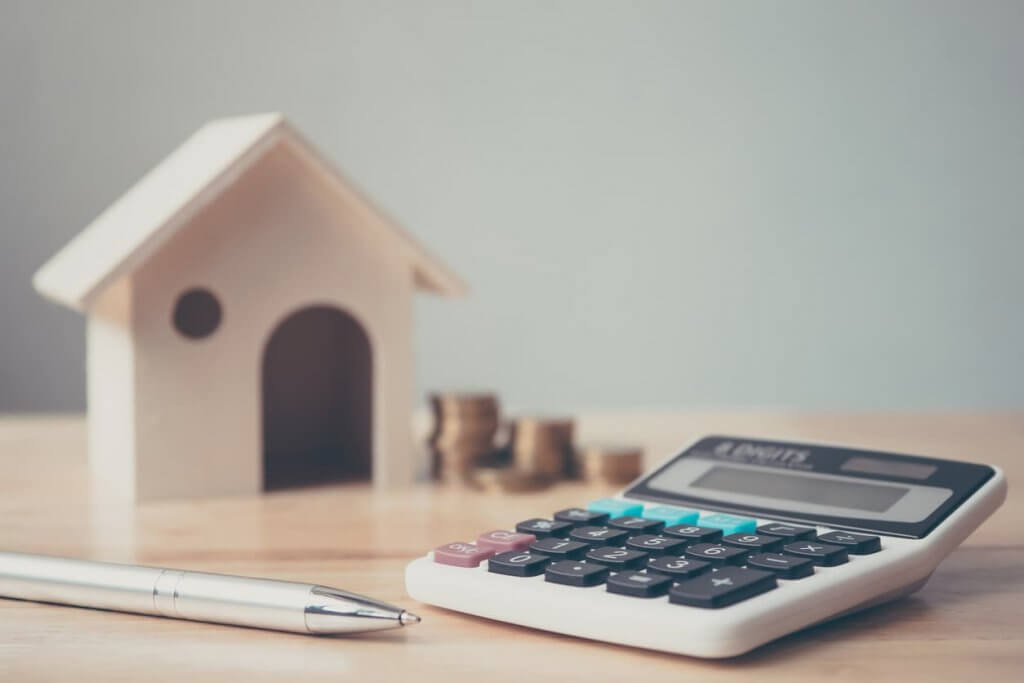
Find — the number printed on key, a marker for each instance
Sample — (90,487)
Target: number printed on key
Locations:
(717,554)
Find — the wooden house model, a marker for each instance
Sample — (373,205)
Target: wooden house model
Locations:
(249,322)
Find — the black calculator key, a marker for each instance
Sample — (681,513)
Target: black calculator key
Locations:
(718,555)
(693,534)
(755,543)
(639,584)
(518,563)
(581,517)
(637,525)
(678,568)
(599,535)
(657,545)
(783,566)
(855,544)
(822,554)
(560,548)
(722,587)
(790,532)
(544,528)
(617,558)
(573,573)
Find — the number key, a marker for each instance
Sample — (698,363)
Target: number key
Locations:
(617,558)
(691,533)
(560,548)
(518,563)
(599,535)
(637,525)
(718,555)
(753,542)
(678,568)
(657,545)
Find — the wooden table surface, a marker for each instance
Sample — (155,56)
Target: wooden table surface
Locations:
(966,624)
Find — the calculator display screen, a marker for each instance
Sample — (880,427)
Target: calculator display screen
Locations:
(847,488)
(847,494)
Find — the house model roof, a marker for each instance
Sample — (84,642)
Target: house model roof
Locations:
(171,194)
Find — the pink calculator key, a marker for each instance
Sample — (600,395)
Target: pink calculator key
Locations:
(502,541)
(461,554)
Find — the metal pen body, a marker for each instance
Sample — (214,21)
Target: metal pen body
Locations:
(198,596)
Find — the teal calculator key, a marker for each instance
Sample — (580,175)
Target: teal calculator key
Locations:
(614,507)
(671,515)
(729,524)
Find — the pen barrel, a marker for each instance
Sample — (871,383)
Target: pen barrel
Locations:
(260,603)
(241,601)
(77,582)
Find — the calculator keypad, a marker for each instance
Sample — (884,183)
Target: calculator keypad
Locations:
(701,559)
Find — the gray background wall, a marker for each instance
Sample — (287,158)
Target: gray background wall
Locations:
(801,204)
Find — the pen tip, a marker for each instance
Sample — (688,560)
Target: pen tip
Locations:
(408,618)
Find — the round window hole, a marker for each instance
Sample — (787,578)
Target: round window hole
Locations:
(197,313)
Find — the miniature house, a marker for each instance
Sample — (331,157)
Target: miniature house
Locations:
(249,322)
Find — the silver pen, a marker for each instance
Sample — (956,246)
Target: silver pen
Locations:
(219,598)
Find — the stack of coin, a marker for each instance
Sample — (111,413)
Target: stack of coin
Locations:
(611,464)
(463,436)
(509,479)
(542,446)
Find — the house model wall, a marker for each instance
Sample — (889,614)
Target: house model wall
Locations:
(249,322)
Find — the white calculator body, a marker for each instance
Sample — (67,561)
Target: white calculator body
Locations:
(728,545)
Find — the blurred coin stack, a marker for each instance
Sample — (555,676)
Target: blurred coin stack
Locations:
(463,436)
(543,446)
(611,464)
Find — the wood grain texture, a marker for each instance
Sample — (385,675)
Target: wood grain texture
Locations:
(966,624)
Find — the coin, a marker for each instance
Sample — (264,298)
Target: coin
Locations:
(612,464)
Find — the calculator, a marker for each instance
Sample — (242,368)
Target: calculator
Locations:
(728,545)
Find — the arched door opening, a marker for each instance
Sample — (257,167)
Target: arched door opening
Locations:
(317,381)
